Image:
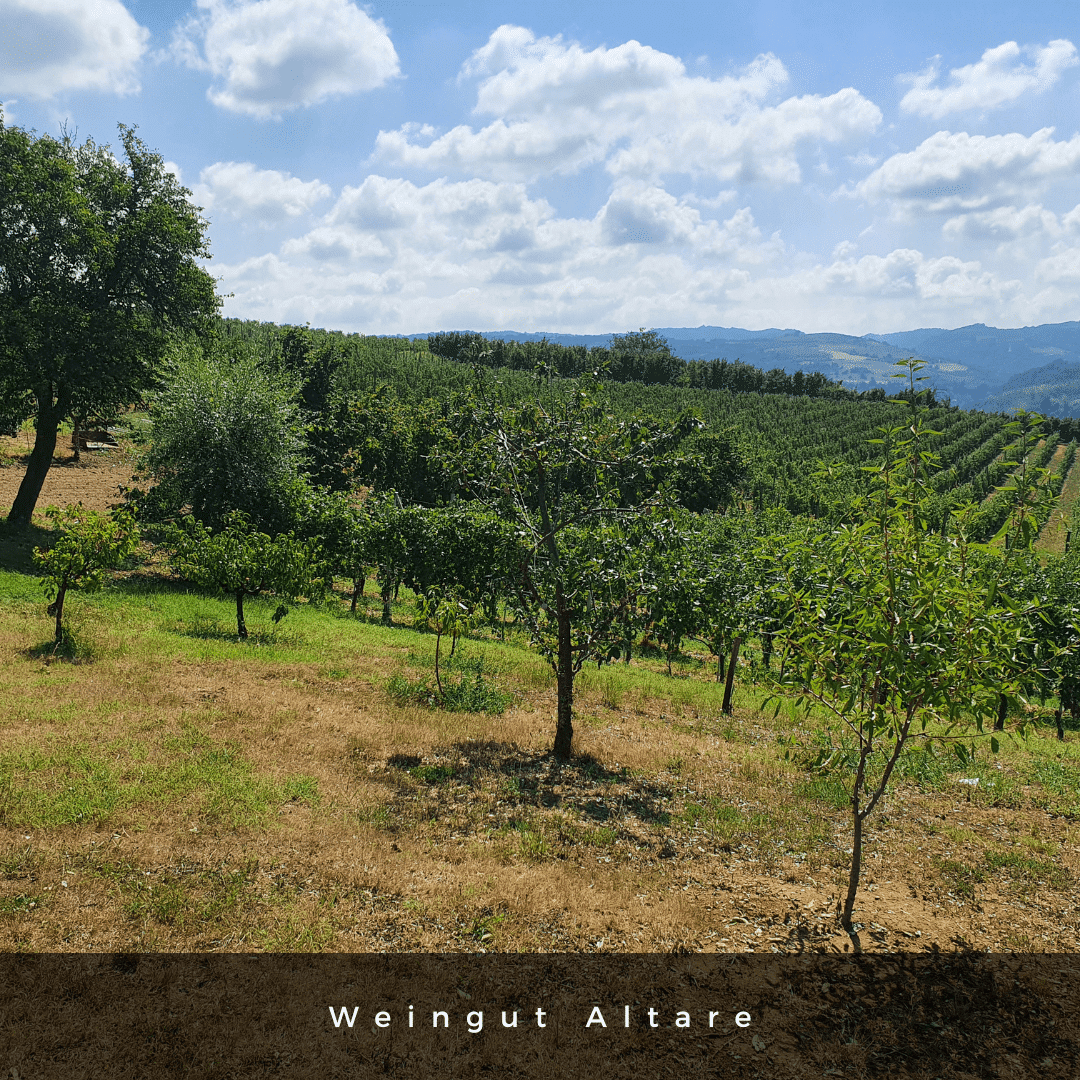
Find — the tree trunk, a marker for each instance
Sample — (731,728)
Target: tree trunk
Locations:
(387,592)
(1060,724)
(856,870)
(564,726)
(49,415)
(357,592)
(58,604)
(729,686)
(438,681)
(1003,711)
(241,626)
(75,440)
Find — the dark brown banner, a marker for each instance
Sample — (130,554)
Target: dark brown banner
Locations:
(542,1016)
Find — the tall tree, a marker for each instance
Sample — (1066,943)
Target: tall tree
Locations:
(98,270)
(570,477)
(227,435)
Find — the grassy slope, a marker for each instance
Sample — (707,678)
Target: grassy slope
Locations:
(179,789)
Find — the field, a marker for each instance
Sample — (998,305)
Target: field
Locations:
(175,789)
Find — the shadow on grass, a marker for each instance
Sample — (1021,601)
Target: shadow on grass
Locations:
(17,547)
(528,778)
(70,649)
(203,628)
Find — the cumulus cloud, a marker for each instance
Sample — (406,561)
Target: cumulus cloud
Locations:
(998,78)
(393,256)
(266,196)
(948,172)
(270,56)
(1003,223)
(50,47)
(557,108)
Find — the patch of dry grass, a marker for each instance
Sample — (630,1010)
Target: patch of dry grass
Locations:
(186,791)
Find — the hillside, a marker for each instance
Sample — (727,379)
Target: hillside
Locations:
(972,365)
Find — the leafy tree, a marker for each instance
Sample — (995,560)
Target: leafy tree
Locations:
(344,526)
(558,472)
(378,440)
(896,632)
(643,357)
(89,544)
(98,271)
(244,562)
(227,435)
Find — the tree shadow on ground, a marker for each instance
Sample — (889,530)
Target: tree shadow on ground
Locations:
(17,547)
(537,779)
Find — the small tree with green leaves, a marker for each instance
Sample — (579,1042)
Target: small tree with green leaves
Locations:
(89,544)
(893,631)
(569,476)
(448,613)
(244,562)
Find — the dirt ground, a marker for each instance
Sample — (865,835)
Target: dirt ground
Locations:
(95,481)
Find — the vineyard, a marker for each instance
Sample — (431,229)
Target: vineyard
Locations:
(465,646)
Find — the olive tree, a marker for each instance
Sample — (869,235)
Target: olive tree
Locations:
(226,435)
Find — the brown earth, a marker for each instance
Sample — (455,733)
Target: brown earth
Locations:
(95,480)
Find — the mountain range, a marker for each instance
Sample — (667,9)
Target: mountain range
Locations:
(978,366)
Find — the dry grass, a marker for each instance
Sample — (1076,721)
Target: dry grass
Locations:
(184,791)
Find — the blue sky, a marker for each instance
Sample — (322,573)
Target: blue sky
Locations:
(409,165)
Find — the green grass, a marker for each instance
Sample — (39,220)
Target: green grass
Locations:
(1024,868)
(71,784)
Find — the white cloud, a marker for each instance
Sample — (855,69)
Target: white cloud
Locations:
(270,56)
(266,196)
(1002,223)
(394,256)
(997,79)
(558,108)
(948,172)
(50,47)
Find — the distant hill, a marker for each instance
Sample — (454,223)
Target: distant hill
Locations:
(974,365)
(1053,389)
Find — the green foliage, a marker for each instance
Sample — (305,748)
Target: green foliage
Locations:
(89,544)
(895,632)
(466,692)
(100,270)
(245,562)
(569,475)
(227,435)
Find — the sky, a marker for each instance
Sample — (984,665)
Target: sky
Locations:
(410,165)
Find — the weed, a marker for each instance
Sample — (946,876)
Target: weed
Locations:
(1025,868)
(534,845)
(829,789)
(462,695)
(1061,782)
(960,877)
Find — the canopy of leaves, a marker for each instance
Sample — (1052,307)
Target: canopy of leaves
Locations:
(227,435)
(239,559)
(89,543)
